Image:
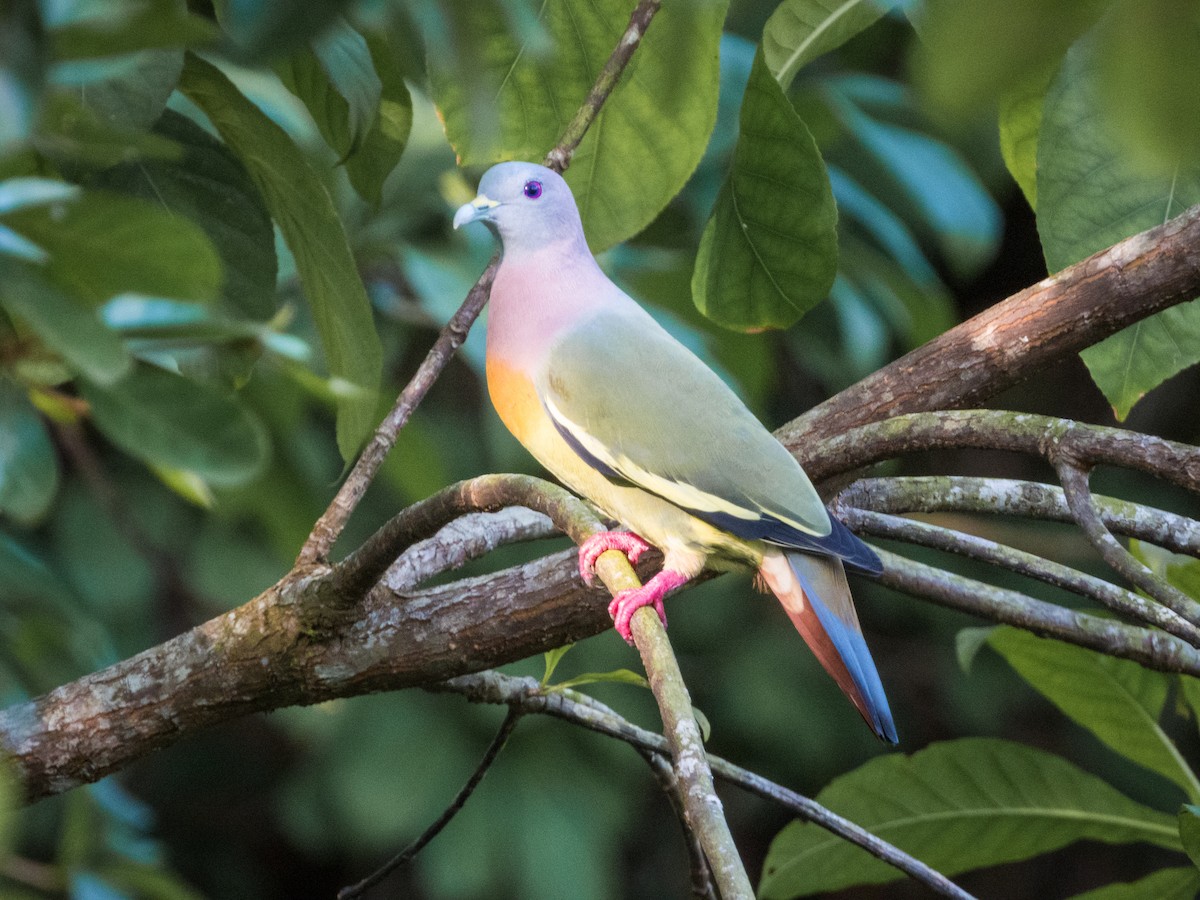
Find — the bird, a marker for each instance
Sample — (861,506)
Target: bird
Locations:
(626,416)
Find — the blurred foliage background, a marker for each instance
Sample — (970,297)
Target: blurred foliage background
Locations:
(192,345)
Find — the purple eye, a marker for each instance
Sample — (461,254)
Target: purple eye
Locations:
(533,189)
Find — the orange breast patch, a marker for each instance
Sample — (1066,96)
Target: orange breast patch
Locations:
(515,399)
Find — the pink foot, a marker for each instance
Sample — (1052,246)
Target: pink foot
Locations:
(601,542)
(626,603)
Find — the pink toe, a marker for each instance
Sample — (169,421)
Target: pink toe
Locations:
(601,542)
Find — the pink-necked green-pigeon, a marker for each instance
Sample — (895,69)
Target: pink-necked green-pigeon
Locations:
(623,414)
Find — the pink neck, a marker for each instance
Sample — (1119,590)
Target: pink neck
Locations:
(536,296)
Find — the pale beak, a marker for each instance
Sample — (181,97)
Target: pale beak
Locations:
(475,210)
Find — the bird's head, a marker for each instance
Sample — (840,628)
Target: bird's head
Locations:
(526,205)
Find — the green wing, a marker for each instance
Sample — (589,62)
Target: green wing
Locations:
(639,406)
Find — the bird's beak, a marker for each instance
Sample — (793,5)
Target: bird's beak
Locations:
(475,210)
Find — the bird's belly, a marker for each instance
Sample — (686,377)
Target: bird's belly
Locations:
(689,541)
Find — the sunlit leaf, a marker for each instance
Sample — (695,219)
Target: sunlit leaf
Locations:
(616,676)
(1117,700)
(553,658)
(1020,119)
(208,185)
(957,806)
(971,54)
(28,464)
(769,253)
(302,207)
(801,30)
(646,140)
(1089,196)
(167,420)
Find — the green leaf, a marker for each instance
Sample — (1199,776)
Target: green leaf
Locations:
(646,140)
(553,658)
(302,207)
(131,93)
(1090,196)
(1020,120)
(971,54)
(801,30)
(345,58)
(957,806)
(103,244)
(616,676)
(74,331)
(769,252)
(1117,700)
(383,145)
(171,421)
(1165,884)
(208,185)
(28,463)
(1189,832)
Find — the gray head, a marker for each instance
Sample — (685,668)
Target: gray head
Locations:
(526,205)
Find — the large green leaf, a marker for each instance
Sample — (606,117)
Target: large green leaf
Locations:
(103,244)
(1117,700)
(208,185)
(801,30)
(28,464)
(1165,884)
(957,806)
(1090,196)
(646,140)
(769,253)
(168,420)
(74,331)
(302,207)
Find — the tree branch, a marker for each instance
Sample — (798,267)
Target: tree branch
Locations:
(1021,336)
(1031,499)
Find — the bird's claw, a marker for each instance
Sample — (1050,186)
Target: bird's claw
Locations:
(626,603)
(590,550)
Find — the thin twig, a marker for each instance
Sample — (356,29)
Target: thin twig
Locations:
(489,757)
(990,429)
(702,883)
(1029,499)
(1074,478)
(701,805)
(495,687)
(1153,649)
(331,523)
(926,535)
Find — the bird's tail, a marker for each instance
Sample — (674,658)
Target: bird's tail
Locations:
(814,592)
